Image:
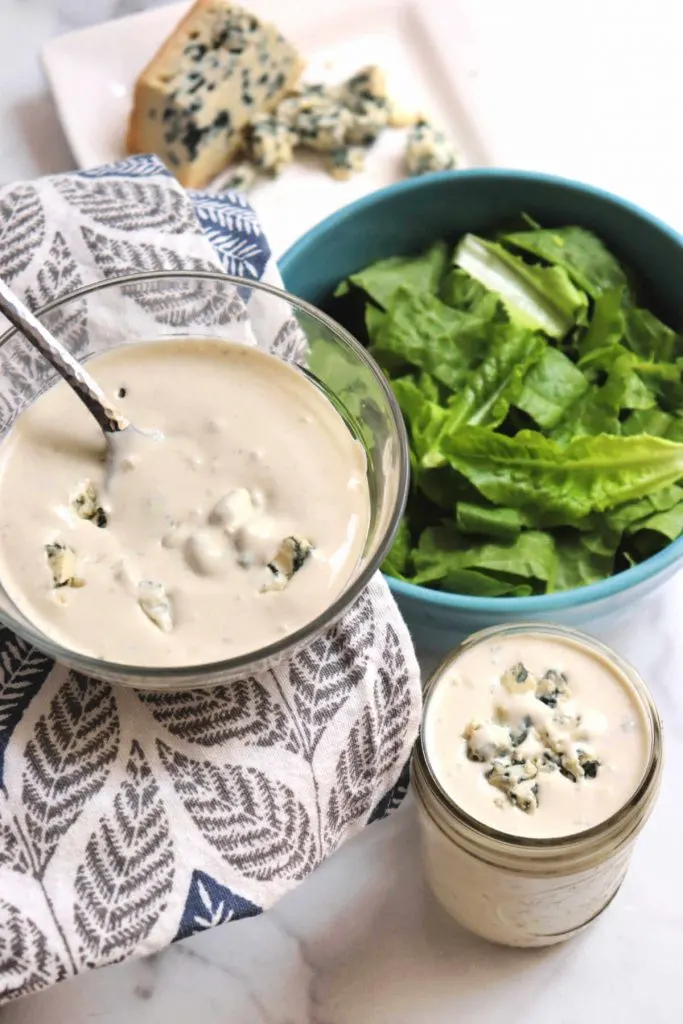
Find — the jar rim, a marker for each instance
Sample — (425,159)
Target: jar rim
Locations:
(585,839)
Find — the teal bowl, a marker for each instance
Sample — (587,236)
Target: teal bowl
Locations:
(405,218)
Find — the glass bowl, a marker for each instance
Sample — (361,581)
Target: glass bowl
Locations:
(161,305)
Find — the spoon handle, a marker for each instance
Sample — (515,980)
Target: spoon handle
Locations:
(87,389)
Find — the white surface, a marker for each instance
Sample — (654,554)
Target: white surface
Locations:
(361,942)
(336,39)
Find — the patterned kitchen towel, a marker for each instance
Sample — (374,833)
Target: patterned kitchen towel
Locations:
(130,819)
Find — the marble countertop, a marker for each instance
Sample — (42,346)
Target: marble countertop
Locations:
(362,942)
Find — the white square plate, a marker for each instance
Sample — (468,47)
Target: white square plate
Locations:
(425,48)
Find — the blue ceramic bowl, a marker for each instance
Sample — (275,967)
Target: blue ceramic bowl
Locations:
(405,218)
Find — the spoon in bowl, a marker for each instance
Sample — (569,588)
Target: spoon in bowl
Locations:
(109,419)
(116,428)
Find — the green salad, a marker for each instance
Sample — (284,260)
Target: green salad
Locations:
(544,406)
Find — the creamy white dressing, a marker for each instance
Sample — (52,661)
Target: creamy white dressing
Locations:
(237,528)
(532,767)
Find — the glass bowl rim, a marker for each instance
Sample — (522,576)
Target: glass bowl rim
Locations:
(231,666)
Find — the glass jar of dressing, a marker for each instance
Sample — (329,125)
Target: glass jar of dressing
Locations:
(538,763)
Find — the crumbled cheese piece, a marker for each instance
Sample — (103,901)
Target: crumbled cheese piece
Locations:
(86,505)
(516,780)
(567,715)
(368,85)
(234,510)
(156,605)
(577,764)
(322,124)
(342,163)
(486,741)
(525,796)
(61,561)
(592,723)
(367,124)
(291,556)
(518,679)
(551,687)
(305,97)
(519,732)
(219,68)
(205,551)
(271,144)
(429,150)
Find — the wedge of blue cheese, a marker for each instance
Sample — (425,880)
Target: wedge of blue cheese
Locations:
(214,75)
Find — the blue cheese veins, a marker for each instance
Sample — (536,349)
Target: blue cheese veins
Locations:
(536,729)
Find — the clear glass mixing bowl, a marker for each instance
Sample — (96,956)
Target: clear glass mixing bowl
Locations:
(161,305)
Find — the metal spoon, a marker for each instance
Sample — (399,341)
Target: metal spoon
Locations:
(79,380)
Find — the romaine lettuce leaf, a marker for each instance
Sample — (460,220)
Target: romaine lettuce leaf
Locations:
(423,332)
(488,390)
(487,520)
(539,298)
(382,280)
(562,484)
(461,291)
(649,338)
(655,422)
(627,518)
(581,253)
(425,418)
(607,325)
(551,387)
(583,558)
(668,523)
(442,551)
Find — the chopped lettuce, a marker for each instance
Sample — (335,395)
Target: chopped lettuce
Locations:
(540,298)
(551,388)
(422,332)
(382,280)
(562,484)
(544,408)
(588,262)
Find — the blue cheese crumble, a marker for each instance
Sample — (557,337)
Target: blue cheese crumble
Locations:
(156,604)
(291,556)
(271,144)
(428,150)
(536,728)
(85,503)
(342,122)
(343,163)
(61,561)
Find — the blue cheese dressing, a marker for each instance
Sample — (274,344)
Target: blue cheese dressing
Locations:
(239,526)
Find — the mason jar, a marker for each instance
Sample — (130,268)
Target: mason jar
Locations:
(522,891)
